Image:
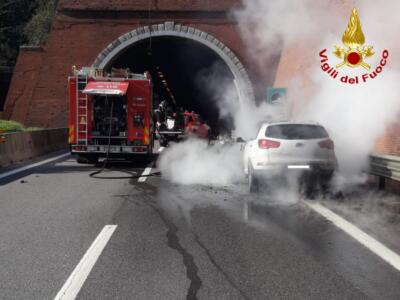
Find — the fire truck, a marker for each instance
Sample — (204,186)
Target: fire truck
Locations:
(111,115)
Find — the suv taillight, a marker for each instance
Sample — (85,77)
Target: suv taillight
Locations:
(267,144)
(327,144)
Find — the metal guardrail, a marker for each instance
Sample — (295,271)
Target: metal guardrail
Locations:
(385,166)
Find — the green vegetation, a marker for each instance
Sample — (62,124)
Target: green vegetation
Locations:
(39,26)
(23,22)
(12,126)
(14,14)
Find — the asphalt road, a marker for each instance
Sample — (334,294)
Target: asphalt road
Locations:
(181,242)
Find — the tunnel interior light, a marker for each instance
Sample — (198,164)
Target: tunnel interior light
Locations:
(165,83)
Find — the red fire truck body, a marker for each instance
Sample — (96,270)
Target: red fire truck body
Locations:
(111,115)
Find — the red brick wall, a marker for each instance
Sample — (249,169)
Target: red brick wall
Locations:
(389,143)
(160,5)
(23,84)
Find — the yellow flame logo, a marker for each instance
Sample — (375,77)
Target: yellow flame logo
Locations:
(353,36)
(354,39)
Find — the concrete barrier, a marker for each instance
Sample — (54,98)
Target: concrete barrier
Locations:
(22,146)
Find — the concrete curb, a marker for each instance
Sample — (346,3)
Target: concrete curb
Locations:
(393,206)
(23,146)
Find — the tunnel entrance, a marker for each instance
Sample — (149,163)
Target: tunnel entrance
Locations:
(186,74)
(190,68)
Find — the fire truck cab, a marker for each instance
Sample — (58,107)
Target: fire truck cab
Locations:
(110,114)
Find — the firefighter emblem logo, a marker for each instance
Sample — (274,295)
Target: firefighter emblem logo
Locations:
(355,52)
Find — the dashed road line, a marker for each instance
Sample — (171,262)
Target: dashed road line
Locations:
(28,167)
(145,173)
(75,281)
(366,240)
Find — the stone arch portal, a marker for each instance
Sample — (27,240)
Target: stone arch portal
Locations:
(170,29)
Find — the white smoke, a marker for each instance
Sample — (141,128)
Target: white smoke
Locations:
(246,114)
(266,26)
(195,162)
(355,115)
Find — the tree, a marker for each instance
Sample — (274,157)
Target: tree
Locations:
(14,14)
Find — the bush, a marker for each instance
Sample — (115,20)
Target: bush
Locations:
(37,29)
(12,126)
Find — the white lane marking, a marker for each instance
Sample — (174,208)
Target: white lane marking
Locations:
(298,167)
(146,172)
(161,149)
(75,281)
(372,244)
(19,170)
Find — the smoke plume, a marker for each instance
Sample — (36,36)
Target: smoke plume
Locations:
(354,115)
(195,162)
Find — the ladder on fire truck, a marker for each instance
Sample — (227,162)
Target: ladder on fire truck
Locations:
(82,110)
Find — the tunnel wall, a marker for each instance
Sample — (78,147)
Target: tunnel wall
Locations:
(81,30)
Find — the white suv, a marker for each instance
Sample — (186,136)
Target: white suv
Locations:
(290,147)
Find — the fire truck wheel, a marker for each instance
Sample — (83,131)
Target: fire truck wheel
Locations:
(149,158)
(163,142)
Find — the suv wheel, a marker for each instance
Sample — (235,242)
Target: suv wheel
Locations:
(252,180)
(325,184)
(307,186)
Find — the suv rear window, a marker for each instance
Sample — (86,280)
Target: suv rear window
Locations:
(296,132)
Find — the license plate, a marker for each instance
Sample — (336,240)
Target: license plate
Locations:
(301,167)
